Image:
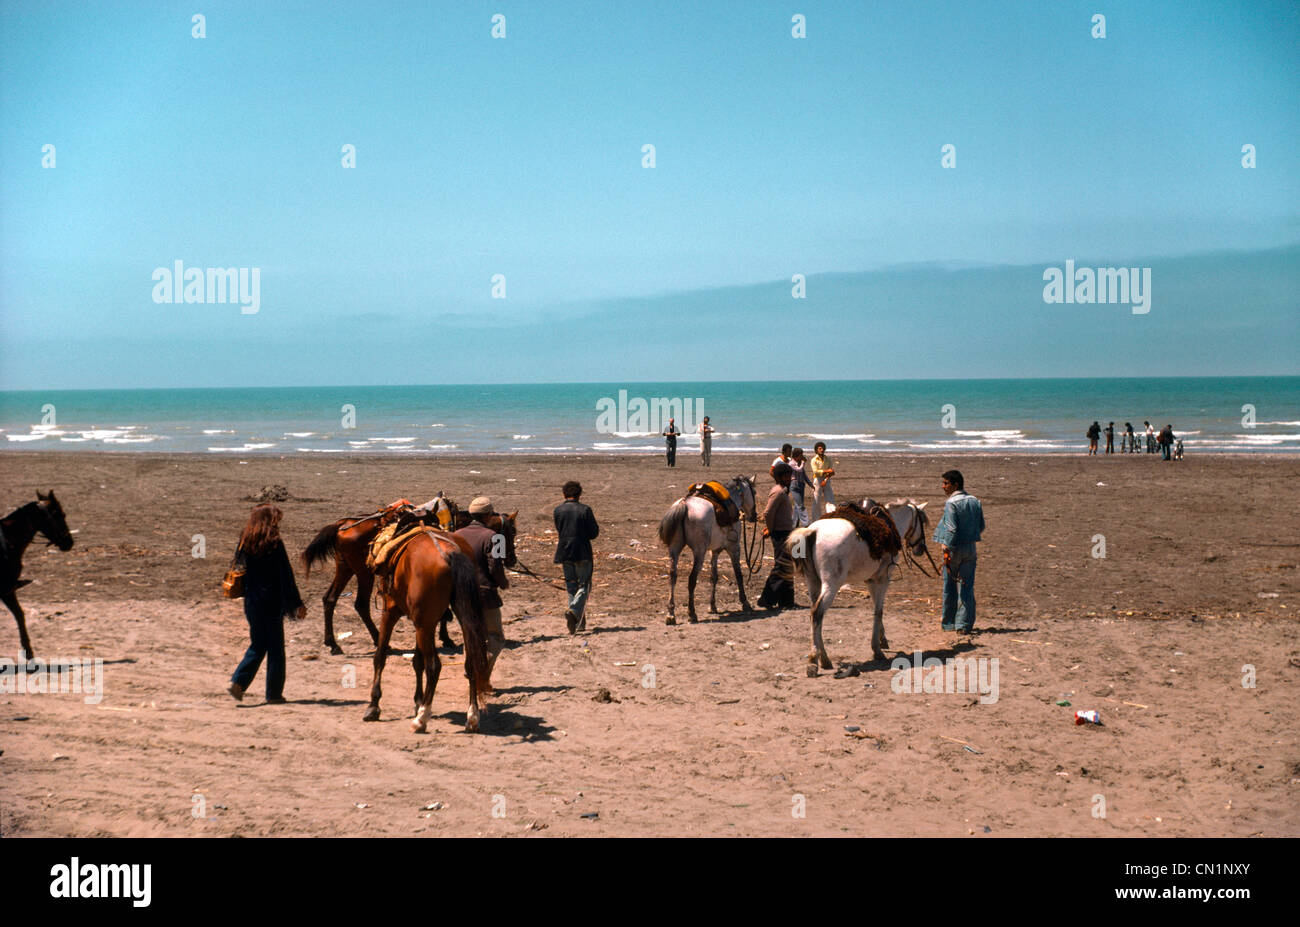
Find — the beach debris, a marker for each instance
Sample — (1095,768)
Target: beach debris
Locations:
(272,493)
(764,646)
(618,556)
(536,825)
(1087,717)
(603,696)
(590,815)
(360,804)
(635,544)
(969,749)
(851,728)
(628,663)
(433,806)
(846,670)
(344,635)
(1101,484)
(1063,702)
(60,756)
(1269,595)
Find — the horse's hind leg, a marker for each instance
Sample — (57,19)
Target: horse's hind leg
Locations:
(697,564)
(713,591)
(341,576)
(417,664)
(443,636)
(878,640)
(386,621)
(673,553)
(425,647)
(819,609)
(25,652)
(366,585)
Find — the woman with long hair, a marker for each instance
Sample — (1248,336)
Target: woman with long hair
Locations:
(270,593)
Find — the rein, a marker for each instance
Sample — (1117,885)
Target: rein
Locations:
(919,521)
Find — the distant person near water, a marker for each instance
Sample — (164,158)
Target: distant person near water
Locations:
(1128,444)
(576,526)
(1166,441)
(270,593)
(1094,434)
(671,433)
(1151,438)
(956,534)
(822,471)
(781,458)
(1110,438)
(706,442)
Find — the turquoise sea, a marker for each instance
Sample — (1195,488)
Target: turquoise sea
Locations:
(1245,414)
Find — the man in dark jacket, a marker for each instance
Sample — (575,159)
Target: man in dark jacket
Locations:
(489,556)
(576,526)
(778,591)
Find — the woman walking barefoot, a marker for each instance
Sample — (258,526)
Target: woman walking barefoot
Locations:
(270,593)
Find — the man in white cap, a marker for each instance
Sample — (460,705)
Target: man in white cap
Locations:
(489,555)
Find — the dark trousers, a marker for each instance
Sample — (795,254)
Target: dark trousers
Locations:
(672,452)
(779,588)
(266,639)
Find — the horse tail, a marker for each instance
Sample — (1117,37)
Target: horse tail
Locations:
(808,538)
(324,544)
(672,521)
(467,603)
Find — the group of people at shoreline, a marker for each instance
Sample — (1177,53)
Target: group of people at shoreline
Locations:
(1171,446)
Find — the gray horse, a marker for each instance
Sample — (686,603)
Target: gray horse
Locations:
(692,522)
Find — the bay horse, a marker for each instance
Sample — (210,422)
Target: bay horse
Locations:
(348,541)
(833,554)
(434,571)
(17,530)
(691,521)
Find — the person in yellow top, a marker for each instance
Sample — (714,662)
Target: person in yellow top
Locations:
(822,471)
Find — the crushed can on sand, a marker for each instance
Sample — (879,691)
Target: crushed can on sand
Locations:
(1087,717)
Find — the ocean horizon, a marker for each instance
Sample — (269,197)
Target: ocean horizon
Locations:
(1211,414)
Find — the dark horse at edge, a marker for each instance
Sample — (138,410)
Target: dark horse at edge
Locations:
(17,529)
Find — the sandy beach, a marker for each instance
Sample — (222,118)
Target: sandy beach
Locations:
(1198,583)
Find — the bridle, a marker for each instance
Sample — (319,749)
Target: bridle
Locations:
(753,540)
(919,523)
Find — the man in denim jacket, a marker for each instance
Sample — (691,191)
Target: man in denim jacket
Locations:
(956,534)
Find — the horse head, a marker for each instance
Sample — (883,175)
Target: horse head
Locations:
(912,523)
(508,528)
(51,522)
(744,487)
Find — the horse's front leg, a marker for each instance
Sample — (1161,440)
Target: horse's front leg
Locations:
(713,592)
(387,620)
(673,553)
(25,652)
(734,552)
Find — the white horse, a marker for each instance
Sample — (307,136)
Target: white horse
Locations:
(692,522)
(830,554)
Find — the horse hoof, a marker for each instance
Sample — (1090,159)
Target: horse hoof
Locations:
(372,714)
(826,663)
(694,620)
(417,727)
(335,650)
(471,726)
(670,620)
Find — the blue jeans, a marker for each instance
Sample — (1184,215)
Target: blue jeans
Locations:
(959,592)
(266,639)
(577,582)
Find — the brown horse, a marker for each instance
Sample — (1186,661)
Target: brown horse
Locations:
(432,572)
(17,531)
(348,541)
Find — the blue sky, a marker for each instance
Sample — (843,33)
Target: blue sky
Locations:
(522,156)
